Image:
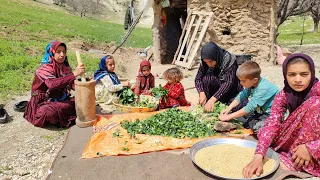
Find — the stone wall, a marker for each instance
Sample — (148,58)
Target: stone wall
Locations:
(250,23)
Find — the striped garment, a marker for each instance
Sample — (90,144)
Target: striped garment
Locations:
(224,90)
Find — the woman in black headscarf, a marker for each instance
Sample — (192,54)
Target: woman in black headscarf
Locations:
(216,79)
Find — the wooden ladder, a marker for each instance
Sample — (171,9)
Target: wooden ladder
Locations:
(191,37)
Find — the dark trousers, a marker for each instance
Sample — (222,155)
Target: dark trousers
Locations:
(254,121)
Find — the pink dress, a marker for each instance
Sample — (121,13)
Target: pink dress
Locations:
(302,126)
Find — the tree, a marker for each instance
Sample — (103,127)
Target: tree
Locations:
(85,6)
(288,8)
(315,13)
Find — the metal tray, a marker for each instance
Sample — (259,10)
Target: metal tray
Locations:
(239,142)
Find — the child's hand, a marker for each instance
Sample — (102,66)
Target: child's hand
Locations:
(225,112)
(301,156)
(254,167)
(125,84)
(225,117)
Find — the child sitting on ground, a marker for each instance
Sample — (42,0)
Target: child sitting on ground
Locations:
(144,80)
(108,84)
(175,89)
(260,93)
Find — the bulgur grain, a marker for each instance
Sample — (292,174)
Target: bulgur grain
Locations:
(228,160)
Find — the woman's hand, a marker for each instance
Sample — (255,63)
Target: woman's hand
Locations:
(125,84)
(254,167)
(202,98)
(80,70)
(301,156)
(209,105)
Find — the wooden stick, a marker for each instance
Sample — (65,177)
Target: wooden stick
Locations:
(83,79)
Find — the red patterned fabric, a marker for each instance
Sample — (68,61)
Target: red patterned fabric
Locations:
(41,111)
(143,83)
(175,96)
(302,126)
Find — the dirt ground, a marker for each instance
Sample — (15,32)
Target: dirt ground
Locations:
(26,152)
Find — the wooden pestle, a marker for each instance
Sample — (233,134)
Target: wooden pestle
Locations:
(83,79)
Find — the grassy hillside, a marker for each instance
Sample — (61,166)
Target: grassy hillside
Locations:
(28,26)
(291,30)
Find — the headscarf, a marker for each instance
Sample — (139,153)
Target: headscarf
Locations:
(224,59)
(49,68)
(103,71)
(294,98)
(144,80)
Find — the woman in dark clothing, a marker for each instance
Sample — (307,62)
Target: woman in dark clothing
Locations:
(50,101)
(216,79)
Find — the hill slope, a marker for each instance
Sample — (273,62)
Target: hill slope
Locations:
(28,26)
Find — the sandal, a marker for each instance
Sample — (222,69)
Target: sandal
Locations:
(4,117)
(20,106)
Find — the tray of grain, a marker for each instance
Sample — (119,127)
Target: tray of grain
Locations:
(225,157)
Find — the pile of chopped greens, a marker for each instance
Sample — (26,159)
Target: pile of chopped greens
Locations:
(199,112)
(172,123)
(144,103)
(159,92)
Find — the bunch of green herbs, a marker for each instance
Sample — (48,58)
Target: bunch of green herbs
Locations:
(159,92)
(127,96)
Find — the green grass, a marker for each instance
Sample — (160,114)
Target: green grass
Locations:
(291,31)
(26,27)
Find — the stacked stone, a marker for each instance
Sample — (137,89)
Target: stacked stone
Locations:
(240,26)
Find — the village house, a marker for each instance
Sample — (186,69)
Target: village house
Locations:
(243,27)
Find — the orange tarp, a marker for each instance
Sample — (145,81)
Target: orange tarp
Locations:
(105,143)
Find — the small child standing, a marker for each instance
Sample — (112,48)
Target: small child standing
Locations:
(175,89)
(260,93)
(145,80)
(107,82)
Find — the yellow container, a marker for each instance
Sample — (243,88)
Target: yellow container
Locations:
(132,109)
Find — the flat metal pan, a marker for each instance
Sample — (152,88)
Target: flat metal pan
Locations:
(239,142)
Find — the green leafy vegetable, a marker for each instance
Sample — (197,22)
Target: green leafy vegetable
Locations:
(116,133)
(159,92)
(127,96)
(172,123)
(125,149)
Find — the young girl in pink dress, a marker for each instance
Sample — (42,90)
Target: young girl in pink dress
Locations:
(297,137)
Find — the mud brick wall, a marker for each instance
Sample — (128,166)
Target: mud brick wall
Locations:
(241,26)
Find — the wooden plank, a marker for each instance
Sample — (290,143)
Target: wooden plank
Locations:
(202,13)
(194,34)
(197,28)
(196,47)
(182,36)
(186,37)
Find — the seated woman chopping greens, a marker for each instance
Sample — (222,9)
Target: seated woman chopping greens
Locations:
(216,79)
(297,137)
